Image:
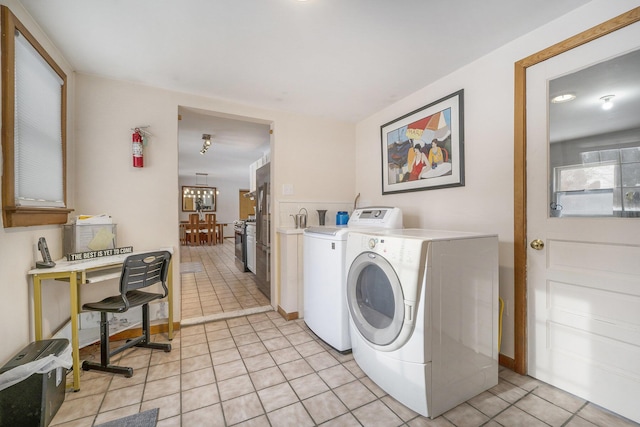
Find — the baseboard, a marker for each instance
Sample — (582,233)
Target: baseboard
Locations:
(506,361)
(287,316)
(136,332)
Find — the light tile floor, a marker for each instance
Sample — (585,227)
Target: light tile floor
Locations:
(212,283)
(261,370)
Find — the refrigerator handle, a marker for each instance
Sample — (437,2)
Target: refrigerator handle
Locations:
(268,251)
(269,221)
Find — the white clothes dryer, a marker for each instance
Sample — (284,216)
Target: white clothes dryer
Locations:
(423,308)
(324,248)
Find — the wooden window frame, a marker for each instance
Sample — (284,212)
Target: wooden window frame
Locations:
(12,215)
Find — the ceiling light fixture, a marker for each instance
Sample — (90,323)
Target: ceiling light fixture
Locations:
(565,97)
(206,144)
(607,104)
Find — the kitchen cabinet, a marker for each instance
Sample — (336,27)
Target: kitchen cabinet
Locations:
(290,303)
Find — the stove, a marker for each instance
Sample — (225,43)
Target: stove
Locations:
(239,227)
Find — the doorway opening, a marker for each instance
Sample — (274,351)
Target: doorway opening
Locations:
(213,286)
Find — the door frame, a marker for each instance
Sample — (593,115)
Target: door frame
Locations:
(519,363)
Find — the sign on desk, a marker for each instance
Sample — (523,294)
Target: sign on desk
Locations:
(81,256)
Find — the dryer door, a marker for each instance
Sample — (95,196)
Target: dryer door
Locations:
(375,298)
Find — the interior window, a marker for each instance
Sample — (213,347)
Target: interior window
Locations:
(33,130)
(594,147)
(604,184)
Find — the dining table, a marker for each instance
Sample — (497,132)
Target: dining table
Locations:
(203,231)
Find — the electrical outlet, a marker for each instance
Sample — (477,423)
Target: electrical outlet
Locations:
(159,311)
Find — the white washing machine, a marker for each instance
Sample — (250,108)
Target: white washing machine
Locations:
(325,306)
(423,308)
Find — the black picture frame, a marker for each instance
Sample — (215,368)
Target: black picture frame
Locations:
(424,149)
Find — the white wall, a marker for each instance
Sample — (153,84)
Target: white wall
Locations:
(485,203)
(144,202)
(17,254)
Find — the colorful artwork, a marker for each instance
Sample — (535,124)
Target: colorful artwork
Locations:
(423,150)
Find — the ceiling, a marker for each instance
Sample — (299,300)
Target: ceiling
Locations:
(328,58)
(235,144)
(583,116)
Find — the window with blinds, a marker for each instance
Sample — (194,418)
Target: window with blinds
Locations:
(37,133)
(33,130)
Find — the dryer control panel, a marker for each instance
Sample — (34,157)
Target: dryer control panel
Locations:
(376,216)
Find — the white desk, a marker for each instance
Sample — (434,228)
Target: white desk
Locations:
(78,273)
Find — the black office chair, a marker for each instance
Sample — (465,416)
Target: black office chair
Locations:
(138,271)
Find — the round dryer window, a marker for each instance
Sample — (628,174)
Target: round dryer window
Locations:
(375,298)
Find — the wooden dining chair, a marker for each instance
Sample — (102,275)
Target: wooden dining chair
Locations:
(183,233)
(220,231)
(211,229)
(193,229)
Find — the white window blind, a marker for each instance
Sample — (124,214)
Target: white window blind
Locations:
(38,129)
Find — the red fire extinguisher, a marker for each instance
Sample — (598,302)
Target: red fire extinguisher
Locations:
(138,160)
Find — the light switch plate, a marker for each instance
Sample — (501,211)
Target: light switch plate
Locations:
(287,189)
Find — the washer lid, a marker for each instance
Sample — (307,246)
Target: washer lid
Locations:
(332,231)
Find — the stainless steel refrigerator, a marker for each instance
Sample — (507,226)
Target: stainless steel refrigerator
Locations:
(263,230)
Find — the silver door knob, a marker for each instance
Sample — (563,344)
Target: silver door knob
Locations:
(537,244)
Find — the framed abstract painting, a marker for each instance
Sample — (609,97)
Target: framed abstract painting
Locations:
(424,149)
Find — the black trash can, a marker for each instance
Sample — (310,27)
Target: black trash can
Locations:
(34,401)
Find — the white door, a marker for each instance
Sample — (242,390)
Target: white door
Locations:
(584,283)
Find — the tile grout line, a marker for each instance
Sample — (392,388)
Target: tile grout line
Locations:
(510,404)
(575,414)
(332,389)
